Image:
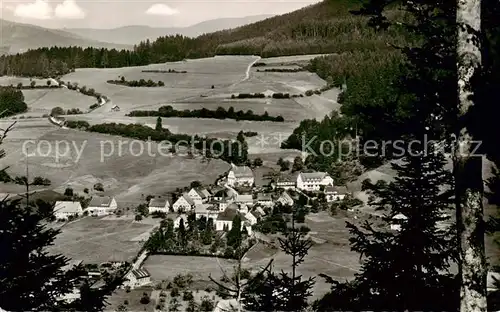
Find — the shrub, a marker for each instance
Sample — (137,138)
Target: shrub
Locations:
(145,299)
(56,111)
(187,296)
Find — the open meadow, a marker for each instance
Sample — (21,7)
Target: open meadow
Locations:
(126,172)
(97,240)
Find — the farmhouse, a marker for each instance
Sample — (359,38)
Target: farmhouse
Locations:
(253,217)
(264,199)
(183,203)
(199,195)
(206,210)
(102,205)
(137,278)
(63,210)
(335,193)
(177,221)
(115,108)
(285,199)
(286,182)
(244,199)
(240,176)
(159,204)
(313,181)
(225,219)
(397,221)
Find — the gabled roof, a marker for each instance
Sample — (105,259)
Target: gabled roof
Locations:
(140,273)
(399,216)
(312,176)
(242,198)
(158,202)
(187,198)
(202,192)
(204,208)
(286,195)
(67,207)
(228,215)
(264,197)
(242,172)
(336,189)
(260,210)
(100,201)
(256,214)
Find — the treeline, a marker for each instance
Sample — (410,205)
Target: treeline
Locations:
(219,113)
(137,83)
(22,180)
(281,70)
(326,27)
(11,101)
(236,152)
(164,71)
(277,95)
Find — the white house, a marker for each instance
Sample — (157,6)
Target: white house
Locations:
(184,203)
(102,205)
(65,209)
(397,221)
(225,220)
(137,278)
(177,221)
(240,176)
(335,193)
(265,200)
(285,199)
(208,211)
(313,181)
(159,204)
(199,195)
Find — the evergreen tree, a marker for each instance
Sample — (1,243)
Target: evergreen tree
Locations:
(283,291)
(418,257)
(31,278)
(234,236)
(159,126)
(182,234)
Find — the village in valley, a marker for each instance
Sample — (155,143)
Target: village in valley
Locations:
(201,219)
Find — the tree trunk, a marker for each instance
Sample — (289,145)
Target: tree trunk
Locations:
(468,167)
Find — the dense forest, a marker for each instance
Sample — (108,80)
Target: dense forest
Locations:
(326,27)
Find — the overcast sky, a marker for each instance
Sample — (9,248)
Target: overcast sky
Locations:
(115,13)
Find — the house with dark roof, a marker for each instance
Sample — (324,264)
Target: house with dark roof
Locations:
(313,181)
(160,204)
(240,176)
(335,193)
(102,205)
(137,278)
(286,182)
(199,195)
(224,221)
(183,204)
(264,199)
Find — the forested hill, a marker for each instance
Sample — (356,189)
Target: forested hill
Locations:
(325,27)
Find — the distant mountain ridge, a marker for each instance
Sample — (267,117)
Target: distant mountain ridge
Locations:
(18,37)
(134,34)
